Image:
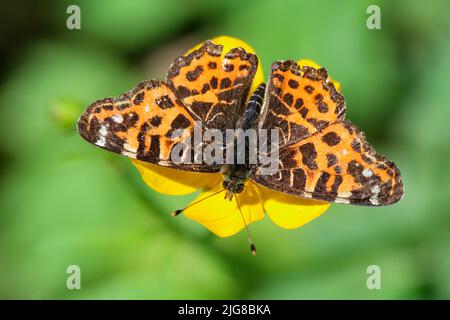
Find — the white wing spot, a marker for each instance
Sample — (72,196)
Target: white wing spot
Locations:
(345,194)
(225,62)
(367,173)
(103,131)
(129,148)
(117,118)
(129,154)
(101,142)
(374,198)
(344,152)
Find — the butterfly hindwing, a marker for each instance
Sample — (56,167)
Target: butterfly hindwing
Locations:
(140,124)
(336,164)
(214,87)
(300,101)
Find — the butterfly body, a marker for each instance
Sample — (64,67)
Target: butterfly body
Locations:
(235,175)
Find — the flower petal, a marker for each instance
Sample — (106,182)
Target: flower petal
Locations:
(288,211)
(229,43)
(310,63)
(174,182)
(222,216)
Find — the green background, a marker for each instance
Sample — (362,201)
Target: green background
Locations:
(63,202)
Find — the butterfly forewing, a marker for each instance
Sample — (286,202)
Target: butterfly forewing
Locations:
(212,86)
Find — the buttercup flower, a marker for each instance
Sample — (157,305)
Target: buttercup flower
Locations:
(220,215)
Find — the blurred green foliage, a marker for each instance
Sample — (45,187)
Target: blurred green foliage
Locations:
(64,202)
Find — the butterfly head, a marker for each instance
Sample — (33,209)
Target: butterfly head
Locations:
(234,178)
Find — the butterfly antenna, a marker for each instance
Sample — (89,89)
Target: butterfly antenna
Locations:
(249,236)
(177,212)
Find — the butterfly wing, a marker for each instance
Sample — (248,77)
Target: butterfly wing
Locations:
(336,164)
(212,86)
(140,124)
(201,86)
(300,101)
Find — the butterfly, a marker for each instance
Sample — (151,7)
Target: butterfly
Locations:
(321,155)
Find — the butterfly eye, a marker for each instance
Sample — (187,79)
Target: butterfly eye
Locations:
(239,187)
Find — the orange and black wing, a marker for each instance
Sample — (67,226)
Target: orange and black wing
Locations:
(212,86)
(145,123)
(335,164)
(300,101)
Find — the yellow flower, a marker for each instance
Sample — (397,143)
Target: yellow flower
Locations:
(222,216)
